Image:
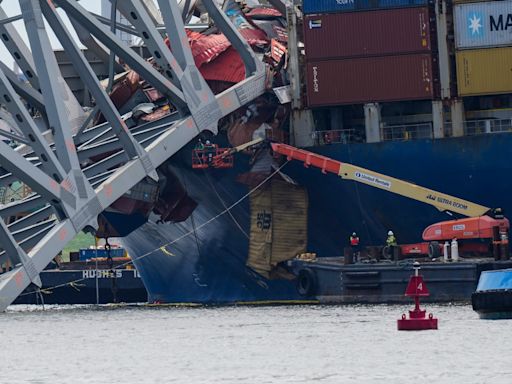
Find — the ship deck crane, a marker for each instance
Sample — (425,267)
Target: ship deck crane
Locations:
(482,223)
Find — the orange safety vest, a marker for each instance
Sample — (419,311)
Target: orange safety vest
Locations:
(354,240)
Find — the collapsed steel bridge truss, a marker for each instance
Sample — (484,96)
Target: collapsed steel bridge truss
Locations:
(68,192)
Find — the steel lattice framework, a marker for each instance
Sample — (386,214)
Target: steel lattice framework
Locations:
(68,196)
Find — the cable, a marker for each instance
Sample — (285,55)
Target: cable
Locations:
(195,234)
(212,186)
(40,295)
(358,197)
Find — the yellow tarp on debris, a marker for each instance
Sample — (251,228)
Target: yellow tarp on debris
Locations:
(278,225)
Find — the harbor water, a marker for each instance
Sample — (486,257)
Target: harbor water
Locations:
(294,344)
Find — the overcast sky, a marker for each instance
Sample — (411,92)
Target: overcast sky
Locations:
(11,7)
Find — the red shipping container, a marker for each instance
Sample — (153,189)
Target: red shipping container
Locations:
(374,33)
(375,79)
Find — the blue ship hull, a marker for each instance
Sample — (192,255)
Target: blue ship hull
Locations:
(203,260)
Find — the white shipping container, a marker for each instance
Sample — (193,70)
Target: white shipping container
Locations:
(480,25)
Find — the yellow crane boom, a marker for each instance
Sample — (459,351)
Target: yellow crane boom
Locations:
(441,201)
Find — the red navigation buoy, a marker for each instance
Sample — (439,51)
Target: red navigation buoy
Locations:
(418,319)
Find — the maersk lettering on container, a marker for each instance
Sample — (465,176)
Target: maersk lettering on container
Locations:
(480,25)
(323,6)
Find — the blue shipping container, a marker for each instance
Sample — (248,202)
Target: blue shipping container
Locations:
(324,6)
(495,280)
(86,254)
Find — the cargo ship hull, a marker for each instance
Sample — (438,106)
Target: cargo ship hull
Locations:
(203,259)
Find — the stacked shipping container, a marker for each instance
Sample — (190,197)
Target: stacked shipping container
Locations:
(372,56)
(326,6)
(483,39)
(363,80)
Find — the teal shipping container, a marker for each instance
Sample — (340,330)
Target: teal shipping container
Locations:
(327,6)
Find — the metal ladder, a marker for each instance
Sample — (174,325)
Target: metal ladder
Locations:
(69,191)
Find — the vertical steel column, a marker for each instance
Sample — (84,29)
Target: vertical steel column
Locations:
(50,81)
(293,42)
(443,50)
(372,120)
(438,119)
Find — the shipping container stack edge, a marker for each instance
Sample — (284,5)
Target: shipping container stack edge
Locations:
(483,40)
(369,51)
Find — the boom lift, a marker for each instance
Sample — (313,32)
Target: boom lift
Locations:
(482,223)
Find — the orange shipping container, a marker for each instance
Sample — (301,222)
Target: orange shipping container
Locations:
(484,71)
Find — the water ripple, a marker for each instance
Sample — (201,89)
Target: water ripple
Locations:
(301,344)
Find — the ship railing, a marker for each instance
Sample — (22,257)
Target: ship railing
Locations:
(481,127)
(407,132)
(338,136)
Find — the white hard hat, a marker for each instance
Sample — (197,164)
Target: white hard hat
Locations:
(208,142)
(353,233)
(390,233)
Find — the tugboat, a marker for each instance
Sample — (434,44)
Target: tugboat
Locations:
(96,275)
(93,276)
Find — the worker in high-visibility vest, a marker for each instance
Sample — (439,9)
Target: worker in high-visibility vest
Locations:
(209,150)
(354,244)
(391,243)
(199,145)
